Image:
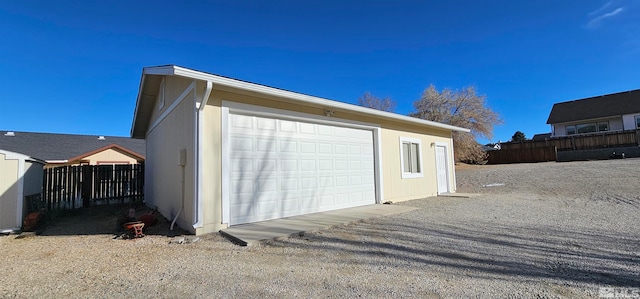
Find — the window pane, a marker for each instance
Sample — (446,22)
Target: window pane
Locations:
(405,155)
(637,122)
(415,161)
(571,130)
(603,127)
(586,128)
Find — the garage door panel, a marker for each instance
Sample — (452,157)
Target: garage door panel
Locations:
(264,166)
(327,201)
(242,121)
(290,206)
(341,166)
(267,207)
(289,165)
(242,144)
(325,181)
(307,147)
(266,185)
(240,186)
(266,124)
(309,183)
(325,165)
(325,148)
(306,128)
(282,168)
(341,181)
(266,145)
(288,126)
(308,165)
(340,149)
(342,198)
(288,184)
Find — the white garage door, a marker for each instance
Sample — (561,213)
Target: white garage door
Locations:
(280,168)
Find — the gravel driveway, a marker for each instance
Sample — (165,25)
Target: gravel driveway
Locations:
(553,230)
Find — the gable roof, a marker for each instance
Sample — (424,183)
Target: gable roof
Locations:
(67,147)
(152,76)
(615,104)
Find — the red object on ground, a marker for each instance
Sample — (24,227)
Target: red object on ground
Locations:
(136,227)
(31,221)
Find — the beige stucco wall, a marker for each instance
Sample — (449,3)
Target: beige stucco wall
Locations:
(212,163)
(167,184)
(111,156)
(397,188)
(8,192)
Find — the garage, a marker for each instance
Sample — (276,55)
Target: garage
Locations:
(222,152)
(281,166)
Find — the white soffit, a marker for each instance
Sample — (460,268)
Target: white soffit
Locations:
(218,80)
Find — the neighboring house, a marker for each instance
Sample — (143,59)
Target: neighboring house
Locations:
(222,151)
(612,112)
(20,176)
(70,149)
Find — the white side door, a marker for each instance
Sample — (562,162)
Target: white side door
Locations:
(442,172)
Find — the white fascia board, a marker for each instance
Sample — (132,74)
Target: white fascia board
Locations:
(57,161)
(138,99)
(180,71)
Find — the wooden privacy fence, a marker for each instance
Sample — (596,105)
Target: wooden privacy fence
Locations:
(525,155)
(70,187)
(581,142)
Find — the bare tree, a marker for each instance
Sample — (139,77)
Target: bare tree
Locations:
(370,101)
(463,108)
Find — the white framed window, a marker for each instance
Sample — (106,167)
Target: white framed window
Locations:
(411,157)
(637,121)
(587,128)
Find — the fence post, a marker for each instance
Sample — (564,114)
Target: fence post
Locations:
(87,179)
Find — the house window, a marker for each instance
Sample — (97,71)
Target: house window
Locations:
(586,128)
(638,122)
(603,127)
(411,157)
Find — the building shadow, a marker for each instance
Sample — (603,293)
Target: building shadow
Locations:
(102,220)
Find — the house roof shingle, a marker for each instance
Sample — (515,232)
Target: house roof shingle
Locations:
(57,147)
(615,104)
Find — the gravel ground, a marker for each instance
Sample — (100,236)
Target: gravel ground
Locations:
(553,230)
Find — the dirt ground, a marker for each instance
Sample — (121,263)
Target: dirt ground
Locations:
(545,230)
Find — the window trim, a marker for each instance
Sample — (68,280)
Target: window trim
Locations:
(408,174)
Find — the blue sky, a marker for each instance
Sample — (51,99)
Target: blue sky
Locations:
(75,66)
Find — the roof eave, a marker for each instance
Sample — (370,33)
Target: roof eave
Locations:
(20,156)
